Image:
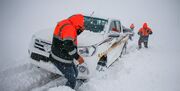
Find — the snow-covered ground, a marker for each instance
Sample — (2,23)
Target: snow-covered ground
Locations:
(144,70)
(152,69)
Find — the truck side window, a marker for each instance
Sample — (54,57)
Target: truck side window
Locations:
(121,29)
(118,26)
(113,26)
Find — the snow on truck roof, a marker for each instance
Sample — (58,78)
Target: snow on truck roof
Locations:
(94,17)
(104,17)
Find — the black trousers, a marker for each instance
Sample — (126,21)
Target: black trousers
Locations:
(69,70)
(143,39)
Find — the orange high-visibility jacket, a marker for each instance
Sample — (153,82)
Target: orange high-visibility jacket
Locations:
(66,31)
(145,30)
(64,44)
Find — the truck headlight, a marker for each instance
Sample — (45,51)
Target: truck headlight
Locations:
(87,50)
(47,48)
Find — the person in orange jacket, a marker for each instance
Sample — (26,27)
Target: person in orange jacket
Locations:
(144,33)
(64,47)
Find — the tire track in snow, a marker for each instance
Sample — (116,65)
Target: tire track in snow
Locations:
(53,83)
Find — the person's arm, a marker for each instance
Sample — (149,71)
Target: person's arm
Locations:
(69,45)
(71,48)
(149,31)
(139,32)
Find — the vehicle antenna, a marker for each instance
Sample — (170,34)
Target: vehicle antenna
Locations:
(92,14)
(91,21)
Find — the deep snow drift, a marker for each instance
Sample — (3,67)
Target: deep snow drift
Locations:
(150,69)
(143,70)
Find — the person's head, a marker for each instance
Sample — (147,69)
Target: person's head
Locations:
(132,26)
(145,25)
(77,21)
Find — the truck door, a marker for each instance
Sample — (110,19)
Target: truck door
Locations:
(115,27)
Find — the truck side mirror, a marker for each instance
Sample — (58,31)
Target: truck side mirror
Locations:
(114,35)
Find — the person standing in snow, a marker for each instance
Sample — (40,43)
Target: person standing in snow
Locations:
(132,31)
(144,33)
(64,47)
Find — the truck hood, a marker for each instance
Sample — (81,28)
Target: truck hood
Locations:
(46,35)
(86,38)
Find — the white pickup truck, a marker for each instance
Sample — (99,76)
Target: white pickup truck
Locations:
(101,43)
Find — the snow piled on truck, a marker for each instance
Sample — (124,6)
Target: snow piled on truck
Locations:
(87,38)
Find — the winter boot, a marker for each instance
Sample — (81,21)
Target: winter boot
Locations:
(146,44)
(139,44)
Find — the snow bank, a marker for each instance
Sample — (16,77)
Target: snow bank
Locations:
(23,78)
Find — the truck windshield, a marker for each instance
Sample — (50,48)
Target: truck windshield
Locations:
(94,24)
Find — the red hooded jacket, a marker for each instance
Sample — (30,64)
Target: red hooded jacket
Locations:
(145,30)
(132,26)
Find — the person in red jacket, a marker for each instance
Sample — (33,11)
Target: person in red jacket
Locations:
(64,47)
(132,26)
(144,33)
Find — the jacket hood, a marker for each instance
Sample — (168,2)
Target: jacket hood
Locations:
(77,21)
(145,25)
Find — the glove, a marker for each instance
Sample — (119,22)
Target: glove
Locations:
(139,33)
(80,60)
(149,32)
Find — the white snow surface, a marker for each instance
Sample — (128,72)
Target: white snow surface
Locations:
(152,69)
(87,35)
(62,88)
(143,70)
